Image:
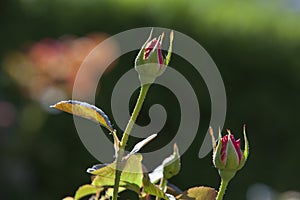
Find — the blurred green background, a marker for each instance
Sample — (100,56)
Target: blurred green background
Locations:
(255,44)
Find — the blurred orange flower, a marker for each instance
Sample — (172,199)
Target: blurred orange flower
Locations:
(46,70)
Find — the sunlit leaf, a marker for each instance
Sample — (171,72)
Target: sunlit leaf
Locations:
(101,181)
(86,111)
(68,198)
(87,190)
(132,174)
(142,143)
(152,189)
(172,164)
(198,193)
(156,174)
(169,168)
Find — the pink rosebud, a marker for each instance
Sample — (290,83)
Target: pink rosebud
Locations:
(152,47)
(227,153)
(150,62)
(234,143)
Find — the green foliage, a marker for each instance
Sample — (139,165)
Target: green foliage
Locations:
(198,193)
(254,43)
(132,177)
(150,188)
(87,190)
(84,110)
(132,172)
(171,165)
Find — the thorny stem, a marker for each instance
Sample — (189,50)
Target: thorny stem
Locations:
(137,108)
(222,189)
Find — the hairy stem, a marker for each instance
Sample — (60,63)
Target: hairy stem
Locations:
(222,189)
(137,108)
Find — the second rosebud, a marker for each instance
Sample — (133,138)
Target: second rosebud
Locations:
(227,153)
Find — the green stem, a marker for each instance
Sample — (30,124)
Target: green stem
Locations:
(222,189)
(137,108)
(162,186)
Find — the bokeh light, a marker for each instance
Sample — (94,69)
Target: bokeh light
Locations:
(8,114)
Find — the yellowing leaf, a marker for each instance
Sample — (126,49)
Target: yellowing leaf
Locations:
(86,111)
(87,190)
(132,173)
(68,198)
(198,193)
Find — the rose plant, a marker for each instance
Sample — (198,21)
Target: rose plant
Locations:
(127,172)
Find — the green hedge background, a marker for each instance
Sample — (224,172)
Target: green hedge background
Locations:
(255,44)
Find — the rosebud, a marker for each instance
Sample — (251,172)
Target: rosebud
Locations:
(228,157)
(150,62)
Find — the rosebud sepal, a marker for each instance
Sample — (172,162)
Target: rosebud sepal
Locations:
(218,163)
(246,150)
